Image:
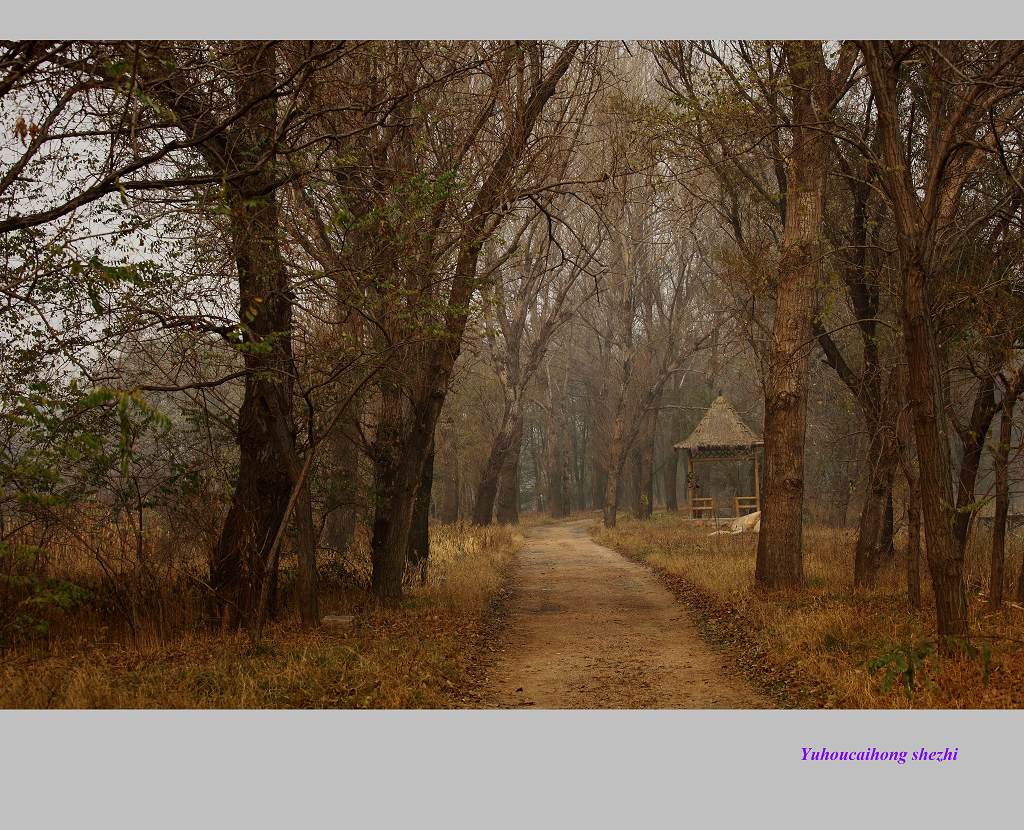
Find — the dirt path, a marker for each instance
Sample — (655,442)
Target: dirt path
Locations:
(589,629)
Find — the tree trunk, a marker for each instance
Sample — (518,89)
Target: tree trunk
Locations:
(887,549)
(944,553)
(507,508)
(398,465)
(883,459)
(406,441)
(501,447)
(615,464)
(263,486)
(913,543)
(974,442)
(397,485)
(418,556)
(780,544)
(1001,456)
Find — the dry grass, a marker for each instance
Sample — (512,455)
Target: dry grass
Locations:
(417,656)
(829,634)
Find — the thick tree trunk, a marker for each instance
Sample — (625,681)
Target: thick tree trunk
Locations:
(397,484)
(507,507)
(780,544)
(887,548)
(944,553)
(1001,455)
(398,466)
(905,447)
(913,543)
(867,552)
(239,561)
(418,556)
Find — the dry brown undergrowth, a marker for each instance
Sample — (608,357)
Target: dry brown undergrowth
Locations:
(416,656)
(830,634)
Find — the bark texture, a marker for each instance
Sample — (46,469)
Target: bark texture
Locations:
(945,553)
(239,562)
(779,544)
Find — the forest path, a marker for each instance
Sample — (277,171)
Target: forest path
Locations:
(588,629)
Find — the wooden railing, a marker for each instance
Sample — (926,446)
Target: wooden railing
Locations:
(744,504)
(702,505)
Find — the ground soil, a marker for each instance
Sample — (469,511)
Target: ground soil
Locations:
(585,628)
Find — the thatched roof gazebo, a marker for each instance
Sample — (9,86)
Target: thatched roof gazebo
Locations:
(721,435)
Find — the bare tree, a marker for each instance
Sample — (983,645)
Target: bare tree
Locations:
(533,296)
(965,84)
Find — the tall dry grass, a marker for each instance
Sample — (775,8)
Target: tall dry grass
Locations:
(419,655)
(831,634)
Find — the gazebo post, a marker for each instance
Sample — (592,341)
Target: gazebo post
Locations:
(690,489)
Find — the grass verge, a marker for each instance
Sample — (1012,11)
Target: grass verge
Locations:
(418,656)
(829,646)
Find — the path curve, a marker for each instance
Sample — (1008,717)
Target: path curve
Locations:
(588,629)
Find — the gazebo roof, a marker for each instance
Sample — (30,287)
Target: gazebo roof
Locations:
(721,429)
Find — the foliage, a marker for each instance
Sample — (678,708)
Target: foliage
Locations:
(905,664)
(29,600)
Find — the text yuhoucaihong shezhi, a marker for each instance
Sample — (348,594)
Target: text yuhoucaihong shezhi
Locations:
(898,756)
